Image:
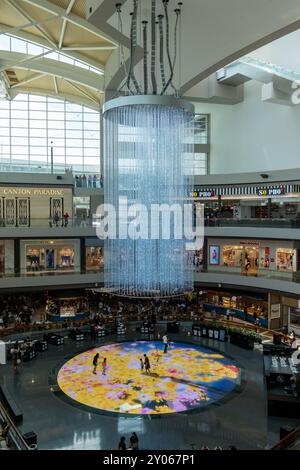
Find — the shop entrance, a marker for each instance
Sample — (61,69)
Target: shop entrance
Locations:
(244,257)
(250,260)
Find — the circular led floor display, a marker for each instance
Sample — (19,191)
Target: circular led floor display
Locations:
(187,377)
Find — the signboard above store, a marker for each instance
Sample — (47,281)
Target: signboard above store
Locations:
(10,191)
(203,194)
(271,191)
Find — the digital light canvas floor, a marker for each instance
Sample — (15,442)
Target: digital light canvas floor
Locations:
(188,377)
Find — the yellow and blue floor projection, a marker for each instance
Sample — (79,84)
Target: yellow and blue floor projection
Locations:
(188,377)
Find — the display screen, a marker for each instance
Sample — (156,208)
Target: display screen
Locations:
(214,254)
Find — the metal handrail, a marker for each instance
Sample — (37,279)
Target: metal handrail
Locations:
(14,433)
(287,440)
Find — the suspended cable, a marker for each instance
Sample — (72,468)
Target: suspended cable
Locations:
(153,46)
(161,50)
(145,57)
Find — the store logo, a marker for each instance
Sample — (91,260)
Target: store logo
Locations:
(159,222)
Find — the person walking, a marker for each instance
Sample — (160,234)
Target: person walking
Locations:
(147,364)
(122,443)
(166,343)
(16,357)
(134,441)
(56,219)
(104,366)
(66,218)
(95,363)
(142,364)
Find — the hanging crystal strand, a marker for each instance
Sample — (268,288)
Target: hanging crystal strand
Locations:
(134,44)
(153,46)
(165,3)
(145,57)
(161,50)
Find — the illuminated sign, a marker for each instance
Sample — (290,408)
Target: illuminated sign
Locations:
(271,191)
(47,192)
(205,194)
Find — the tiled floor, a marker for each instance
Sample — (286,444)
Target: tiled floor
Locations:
(242,421)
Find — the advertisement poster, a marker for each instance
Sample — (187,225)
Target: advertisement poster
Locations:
(214,254)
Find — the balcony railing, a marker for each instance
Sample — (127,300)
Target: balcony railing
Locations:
(49,222)
(58,270)
(264,223)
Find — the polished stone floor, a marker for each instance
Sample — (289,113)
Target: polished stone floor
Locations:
(242,421)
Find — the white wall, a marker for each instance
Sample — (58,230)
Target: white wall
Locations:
(253,135)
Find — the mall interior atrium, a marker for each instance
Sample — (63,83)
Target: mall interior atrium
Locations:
(149,225)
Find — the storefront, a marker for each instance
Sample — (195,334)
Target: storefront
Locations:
(6,257)
(94,258)
(241,202)
(247,308)
(49,256)
(65,307)
(34,206)
(253,257)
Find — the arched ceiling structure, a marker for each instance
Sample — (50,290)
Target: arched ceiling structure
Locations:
(214,33)
(59,27)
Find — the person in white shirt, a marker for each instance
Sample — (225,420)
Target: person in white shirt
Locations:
(166,343)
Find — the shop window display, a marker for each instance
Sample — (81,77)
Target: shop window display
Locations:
(94,258)
(285,259)
(244,257)
(43,259)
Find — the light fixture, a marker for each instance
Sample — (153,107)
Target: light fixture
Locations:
(147,135)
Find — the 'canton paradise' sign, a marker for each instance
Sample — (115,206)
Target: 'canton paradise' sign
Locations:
(31,192)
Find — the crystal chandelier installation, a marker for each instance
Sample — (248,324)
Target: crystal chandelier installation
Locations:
(147,134)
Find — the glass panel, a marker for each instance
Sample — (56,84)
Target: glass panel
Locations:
(19,141)
(91,117)
(37,114)
(56,106)
(17,45)
(57,116)
(38,141)
(19,114)
(37,106)
(74,125)
(38,124)
(74,152)
(4,140)
(56,133)
(38,132)
(19,105)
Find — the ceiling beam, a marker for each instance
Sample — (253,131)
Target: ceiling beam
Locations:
(23,12)
(52,67)
(84,92)
(29,37)
(55,84)
(74,19)
(26,25)
(88,47)
(23,58)
(64,24)
(28,80)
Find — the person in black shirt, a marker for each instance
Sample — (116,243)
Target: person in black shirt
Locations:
(134,441)
(122,444)
(95,363)
(147,363)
